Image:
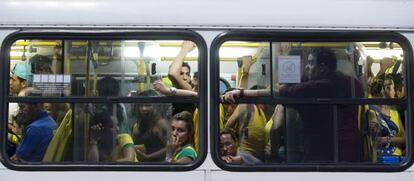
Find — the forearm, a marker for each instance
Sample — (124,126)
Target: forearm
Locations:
(158,154)
(93,153)
(231,122)
(128,155)
(398,141)
(254,93)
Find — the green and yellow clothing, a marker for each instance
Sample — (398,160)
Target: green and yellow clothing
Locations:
(124,141)
(253,136)
(185,151)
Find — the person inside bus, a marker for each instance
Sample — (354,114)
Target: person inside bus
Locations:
(179,73)
(20,80)
(41,64)
(151,129)
(107,143)
(38,131)
(385,122)
(194,82)
(180,145)
(229,146)
(249,120)
(107,87)
(324,81)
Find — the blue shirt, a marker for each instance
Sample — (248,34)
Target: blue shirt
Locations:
(36,138)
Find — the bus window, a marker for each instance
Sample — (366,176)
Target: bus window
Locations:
(115,100)
(314,103)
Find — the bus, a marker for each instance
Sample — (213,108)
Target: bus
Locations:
(206,90)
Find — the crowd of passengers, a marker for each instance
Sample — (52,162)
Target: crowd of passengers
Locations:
(295,133)
(249,133)
(153,133)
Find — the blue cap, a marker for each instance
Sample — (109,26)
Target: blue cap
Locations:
(23,71)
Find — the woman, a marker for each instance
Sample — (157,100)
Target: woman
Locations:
(105,142)
(151,129)
(180,146)
(385,121)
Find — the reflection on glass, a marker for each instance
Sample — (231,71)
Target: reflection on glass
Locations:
(245,64)
(75,68)
(301,133)
(350,67)
(102,132)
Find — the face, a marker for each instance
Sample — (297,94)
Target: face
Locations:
(146,111)
(311,68)
(185,74)
(389,88)
(227,145)
(28,111)
(194,81)
(16,85)
(179,130)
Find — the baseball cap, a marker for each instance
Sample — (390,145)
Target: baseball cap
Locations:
(23,70)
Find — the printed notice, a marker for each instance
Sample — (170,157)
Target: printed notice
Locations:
(289,69)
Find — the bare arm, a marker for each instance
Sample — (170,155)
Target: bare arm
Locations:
(231,122)
(93,153)
(231,96)
(247,63)
(127,155)
(161,88)
(174,71)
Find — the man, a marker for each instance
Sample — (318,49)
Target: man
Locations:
(20,78)
(38,131)
(179,73)
(318,120)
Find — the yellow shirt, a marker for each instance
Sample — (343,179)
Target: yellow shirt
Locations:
(124,140)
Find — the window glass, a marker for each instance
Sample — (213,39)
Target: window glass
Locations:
(353,66)
(101,132)
(301,133)
(111,101)
(312,104)
(100,67)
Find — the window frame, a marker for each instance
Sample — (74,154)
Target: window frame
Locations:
(105,34)
(310,36)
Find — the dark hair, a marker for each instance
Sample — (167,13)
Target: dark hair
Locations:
(39,62)
(195,75)
(376,86)
(185,64)
(229,131)
(187,117)
(107,140)
(325,56)
(398,81)
(108,86)
(165,109)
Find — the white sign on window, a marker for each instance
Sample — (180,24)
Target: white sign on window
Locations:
(289,69)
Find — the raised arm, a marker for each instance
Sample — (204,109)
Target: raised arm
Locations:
(174,71)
